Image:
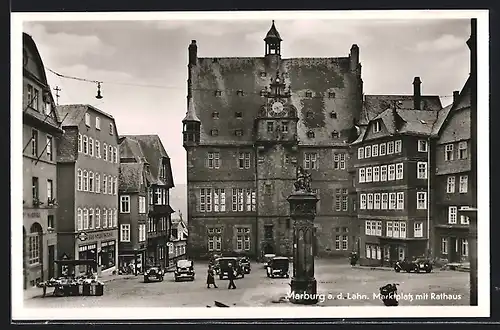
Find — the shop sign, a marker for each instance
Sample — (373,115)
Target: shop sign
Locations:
(100,235)
(31,215)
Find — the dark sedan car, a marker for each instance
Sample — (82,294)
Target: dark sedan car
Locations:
(417,266)
(153,274)
(184,269)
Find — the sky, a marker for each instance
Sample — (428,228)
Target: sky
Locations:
(143,64)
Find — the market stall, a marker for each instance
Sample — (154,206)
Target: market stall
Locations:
(68,284)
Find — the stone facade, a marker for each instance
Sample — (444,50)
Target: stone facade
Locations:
(246,131)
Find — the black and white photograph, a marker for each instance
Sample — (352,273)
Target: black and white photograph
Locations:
(272,163)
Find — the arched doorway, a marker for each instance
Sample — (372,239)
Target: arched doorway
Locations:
(268,249)
(35,246)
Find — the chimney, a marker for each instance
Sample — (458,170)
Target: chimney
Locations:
(417,96)
(456,94)
(193,52)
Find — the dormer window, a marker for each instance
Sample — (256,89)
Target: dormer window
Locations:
(238,132)
(218,93)
(215,115)
(214,132)
(333,115)
(239,92)
(310,134)
(376,126)
(309,94)
(331,95)
(263,93)
(238,114)
(263,74)
(309,115)
(335,135)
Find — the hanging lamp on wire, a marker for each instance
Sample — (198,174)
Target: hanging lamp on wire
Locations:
(98,96)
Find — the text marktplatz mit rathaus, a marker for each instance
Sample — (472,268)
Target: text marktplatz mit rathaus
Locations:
(378,296)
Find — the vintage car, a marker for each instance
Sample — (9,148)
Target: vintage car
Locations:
(266,258)
(417,266)
(184,269)
(224,267)
(245,264)
(278,267)
(154,273)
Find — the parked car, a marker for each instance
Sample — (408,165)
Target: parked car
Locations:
(154,273)
(224,268)
(245,264)
(278,267)
(266,258)
(184,269)
(417,266)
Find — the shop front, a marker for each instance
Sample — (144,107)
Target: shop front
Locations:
(132,261)
(98,246)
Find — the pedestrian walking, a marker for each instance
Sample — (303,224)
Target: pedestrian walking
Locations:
(210,277)
(231,277)
(353,258)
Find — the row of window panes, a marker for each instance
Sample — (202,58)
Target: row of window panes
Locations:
(383,201)
(453,215)
(341,199)
(91,218)
(242,243)
(373,252)
(178,250)
(395,229)
(389,148)
(341,242)
(48,145)
(98,123)
(464,246)
(153,222)
(92,148)
(449,152)
(125,204)
(463,186)
(158,196)
(35,190)
(214,200)
(380,173)
(311,161)
(91,182)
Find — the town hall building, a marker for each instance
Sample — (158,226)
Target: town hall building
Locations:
(250,122)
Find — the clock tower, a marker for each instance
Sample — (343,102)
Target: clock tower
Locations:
(276,143)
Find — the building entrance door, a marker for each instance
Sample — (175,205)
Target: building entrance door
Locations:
(454,256)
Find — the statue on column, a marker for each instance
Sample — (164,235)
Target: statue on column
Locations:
(303,182)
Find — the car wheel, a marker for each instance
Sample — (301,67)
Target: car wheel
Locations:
(417,270)
(146,280)
(428,270)
(397,270)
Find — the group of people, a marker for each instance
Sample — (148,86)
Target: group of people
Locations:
(211,277)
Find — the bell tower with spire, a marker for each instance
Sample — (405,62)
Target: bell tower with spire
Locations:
(273,47)
(191,124)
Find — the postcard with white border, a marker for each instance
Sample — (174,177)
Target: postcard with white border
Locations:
(272,163)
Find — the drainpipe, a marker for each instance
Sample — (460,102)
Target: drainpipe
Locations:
(428,197)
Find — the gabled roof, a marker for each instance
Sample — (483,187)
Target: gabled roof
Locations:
(130,149)
(73,113)
(153,151)
(374,105)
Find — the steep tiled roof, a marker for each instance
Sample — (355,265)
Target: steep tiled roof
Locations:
(319,76)
(417,121)
(73,113)
(441,117)
(130,177)
(130,149)
(153,151)
(374,105)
